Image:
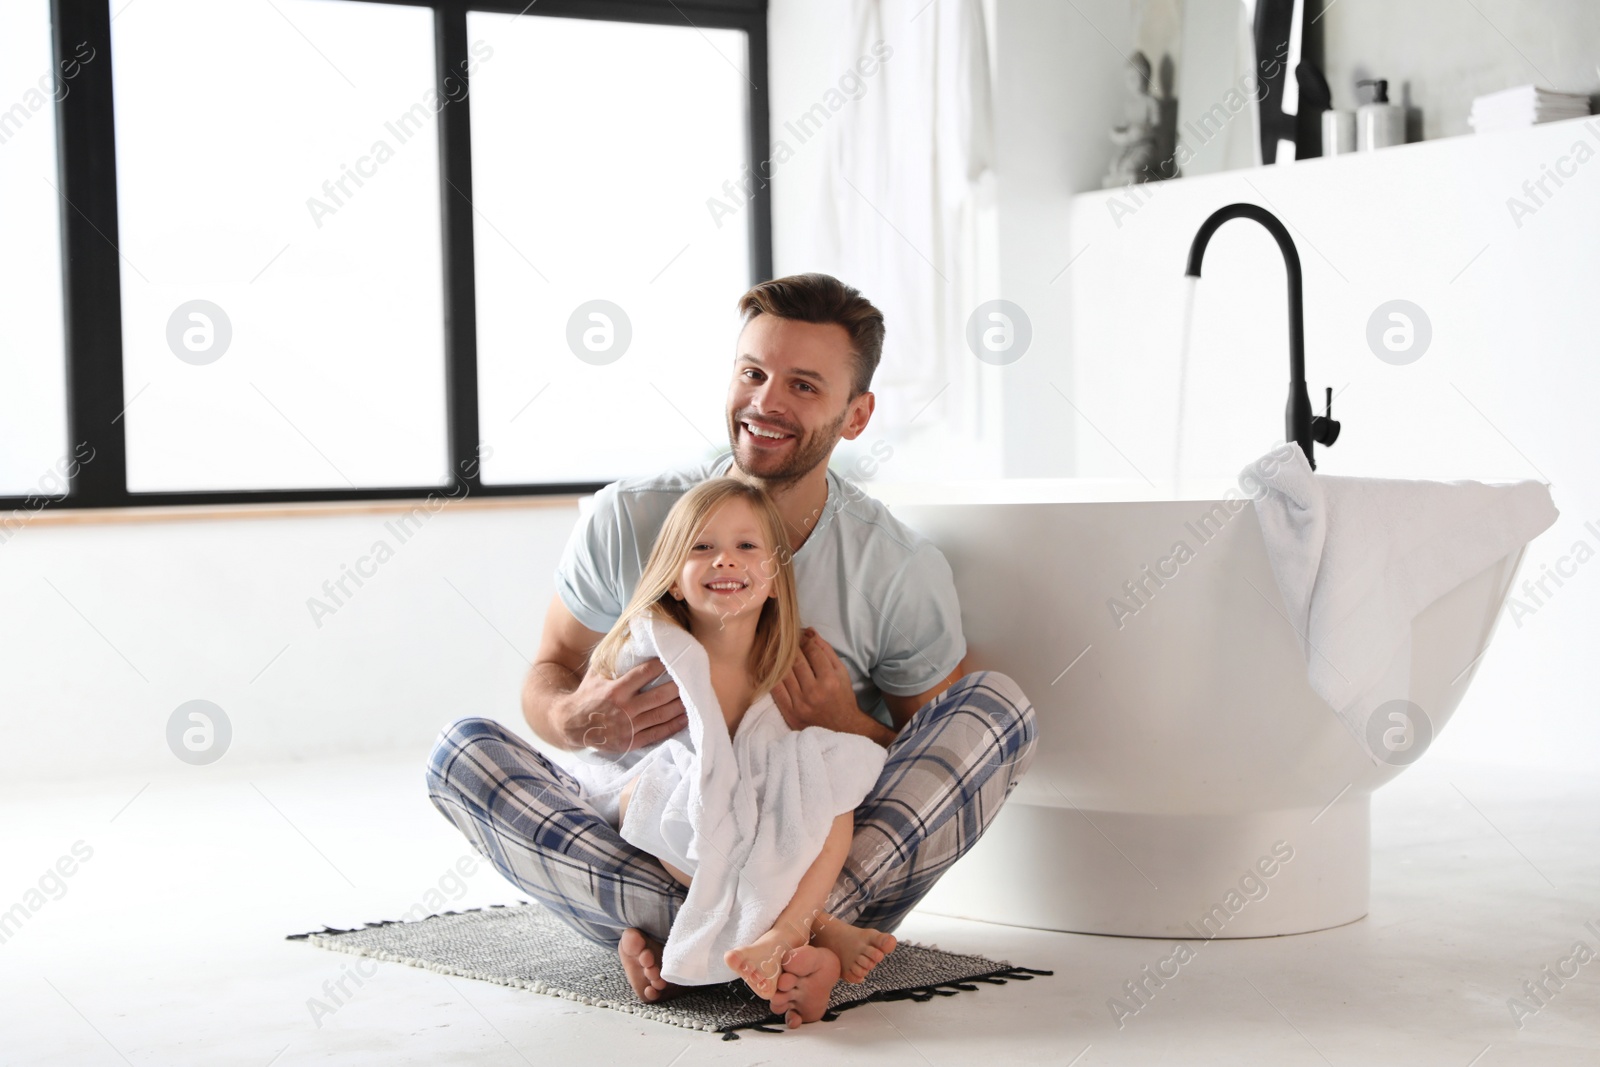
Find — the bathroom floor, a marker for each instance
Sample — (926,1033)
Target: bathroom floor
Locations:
(166,945)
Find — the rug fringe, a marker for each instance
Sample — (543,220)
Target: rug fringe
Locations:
(395,922)
(918,994)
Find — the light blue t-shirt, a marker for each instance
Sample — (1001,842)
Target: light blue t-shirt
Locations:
(880,594)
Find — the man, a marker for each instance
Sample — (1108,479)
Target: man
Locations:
(883,656)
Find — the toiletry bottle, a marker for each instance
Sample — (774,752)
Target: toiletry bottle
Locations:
(1380,123)
(1338,132)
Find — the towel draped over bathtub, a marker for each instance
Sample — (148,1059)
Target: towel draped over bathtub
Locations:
(743,816)
(1357,559)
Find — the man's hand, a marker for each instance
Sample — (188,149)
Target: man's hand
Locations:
(618,715)
(571,707)
(817,692)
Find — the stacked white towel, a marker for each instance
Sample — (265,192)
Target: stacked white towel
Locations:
(743,816)
(1357,559)
(1525,105)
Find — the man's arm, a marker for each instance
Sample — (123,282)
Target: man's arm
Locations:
(921,628)
(902,708)
(571,707)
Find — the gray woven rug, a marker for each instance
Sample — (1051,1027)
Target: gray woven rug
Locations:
(527,947)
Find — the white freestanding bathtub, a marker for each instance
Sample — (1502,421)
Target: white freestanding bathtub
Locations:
(1187,781)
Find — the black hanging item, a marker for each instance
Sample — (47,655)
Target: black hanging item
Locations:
(1315,98)
(1278,51)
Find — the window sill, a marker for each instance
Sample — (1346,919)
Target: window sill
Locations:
(59,516)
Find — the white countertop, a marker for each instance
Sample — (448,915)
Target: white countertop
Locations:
(1051,491)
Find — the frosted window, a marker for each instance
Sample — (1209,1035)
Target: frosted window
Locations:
(278,191)
(606,285)
(33,419)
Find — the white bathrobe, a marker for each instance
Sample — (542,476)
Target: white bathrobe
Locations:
(743,816)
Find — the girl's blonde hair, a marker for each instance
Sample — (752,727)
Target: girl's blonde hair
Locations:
(777,640)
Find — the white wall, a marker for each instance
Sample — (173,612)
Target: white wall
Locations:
(1058,84)
(184,610)
(1505,392)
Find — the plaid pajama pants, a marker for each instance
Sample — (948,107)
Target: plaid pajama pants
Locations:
(944,779)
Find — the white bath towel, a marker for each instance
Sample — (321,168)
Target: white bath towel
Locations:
(1357,559)
(743,816)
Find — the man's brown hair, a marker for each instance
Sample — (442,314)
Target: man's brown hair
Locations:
(822,298)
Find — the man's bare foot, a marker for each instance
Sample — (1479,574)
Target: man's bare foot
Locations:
(760,962)
(641,960)
(859,950)
(809,975)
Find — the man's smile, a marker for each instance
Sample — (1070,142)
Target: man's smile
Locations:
(764,436)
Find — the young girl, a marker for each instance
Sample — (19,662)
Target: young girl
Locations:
(753,817)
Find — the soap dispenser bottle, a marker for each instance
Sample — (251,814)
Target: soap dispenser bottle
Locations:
(1379,124)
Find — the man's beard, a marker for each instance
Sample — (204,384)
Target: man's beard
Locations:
(810,449)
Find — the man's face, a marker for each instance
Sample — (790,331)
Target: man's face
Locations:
(789,402)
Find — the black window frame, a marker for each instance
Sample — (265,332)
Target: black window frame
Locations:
(91,275)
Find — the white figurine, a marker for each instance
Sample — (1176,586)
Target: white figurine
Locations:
(1136,139)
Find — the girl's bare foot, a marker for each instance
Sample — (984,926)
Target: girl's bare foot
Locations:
(760,962)
(809,975)
(641,960)
(858,950)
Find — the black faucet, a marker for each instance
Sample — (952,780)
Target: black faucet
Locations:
(1300,426)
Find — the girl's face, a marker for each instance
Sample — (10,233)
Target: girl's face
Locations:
(730,568)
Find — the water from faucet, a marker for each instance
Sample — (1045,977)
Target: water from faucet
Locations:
(1184,339)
